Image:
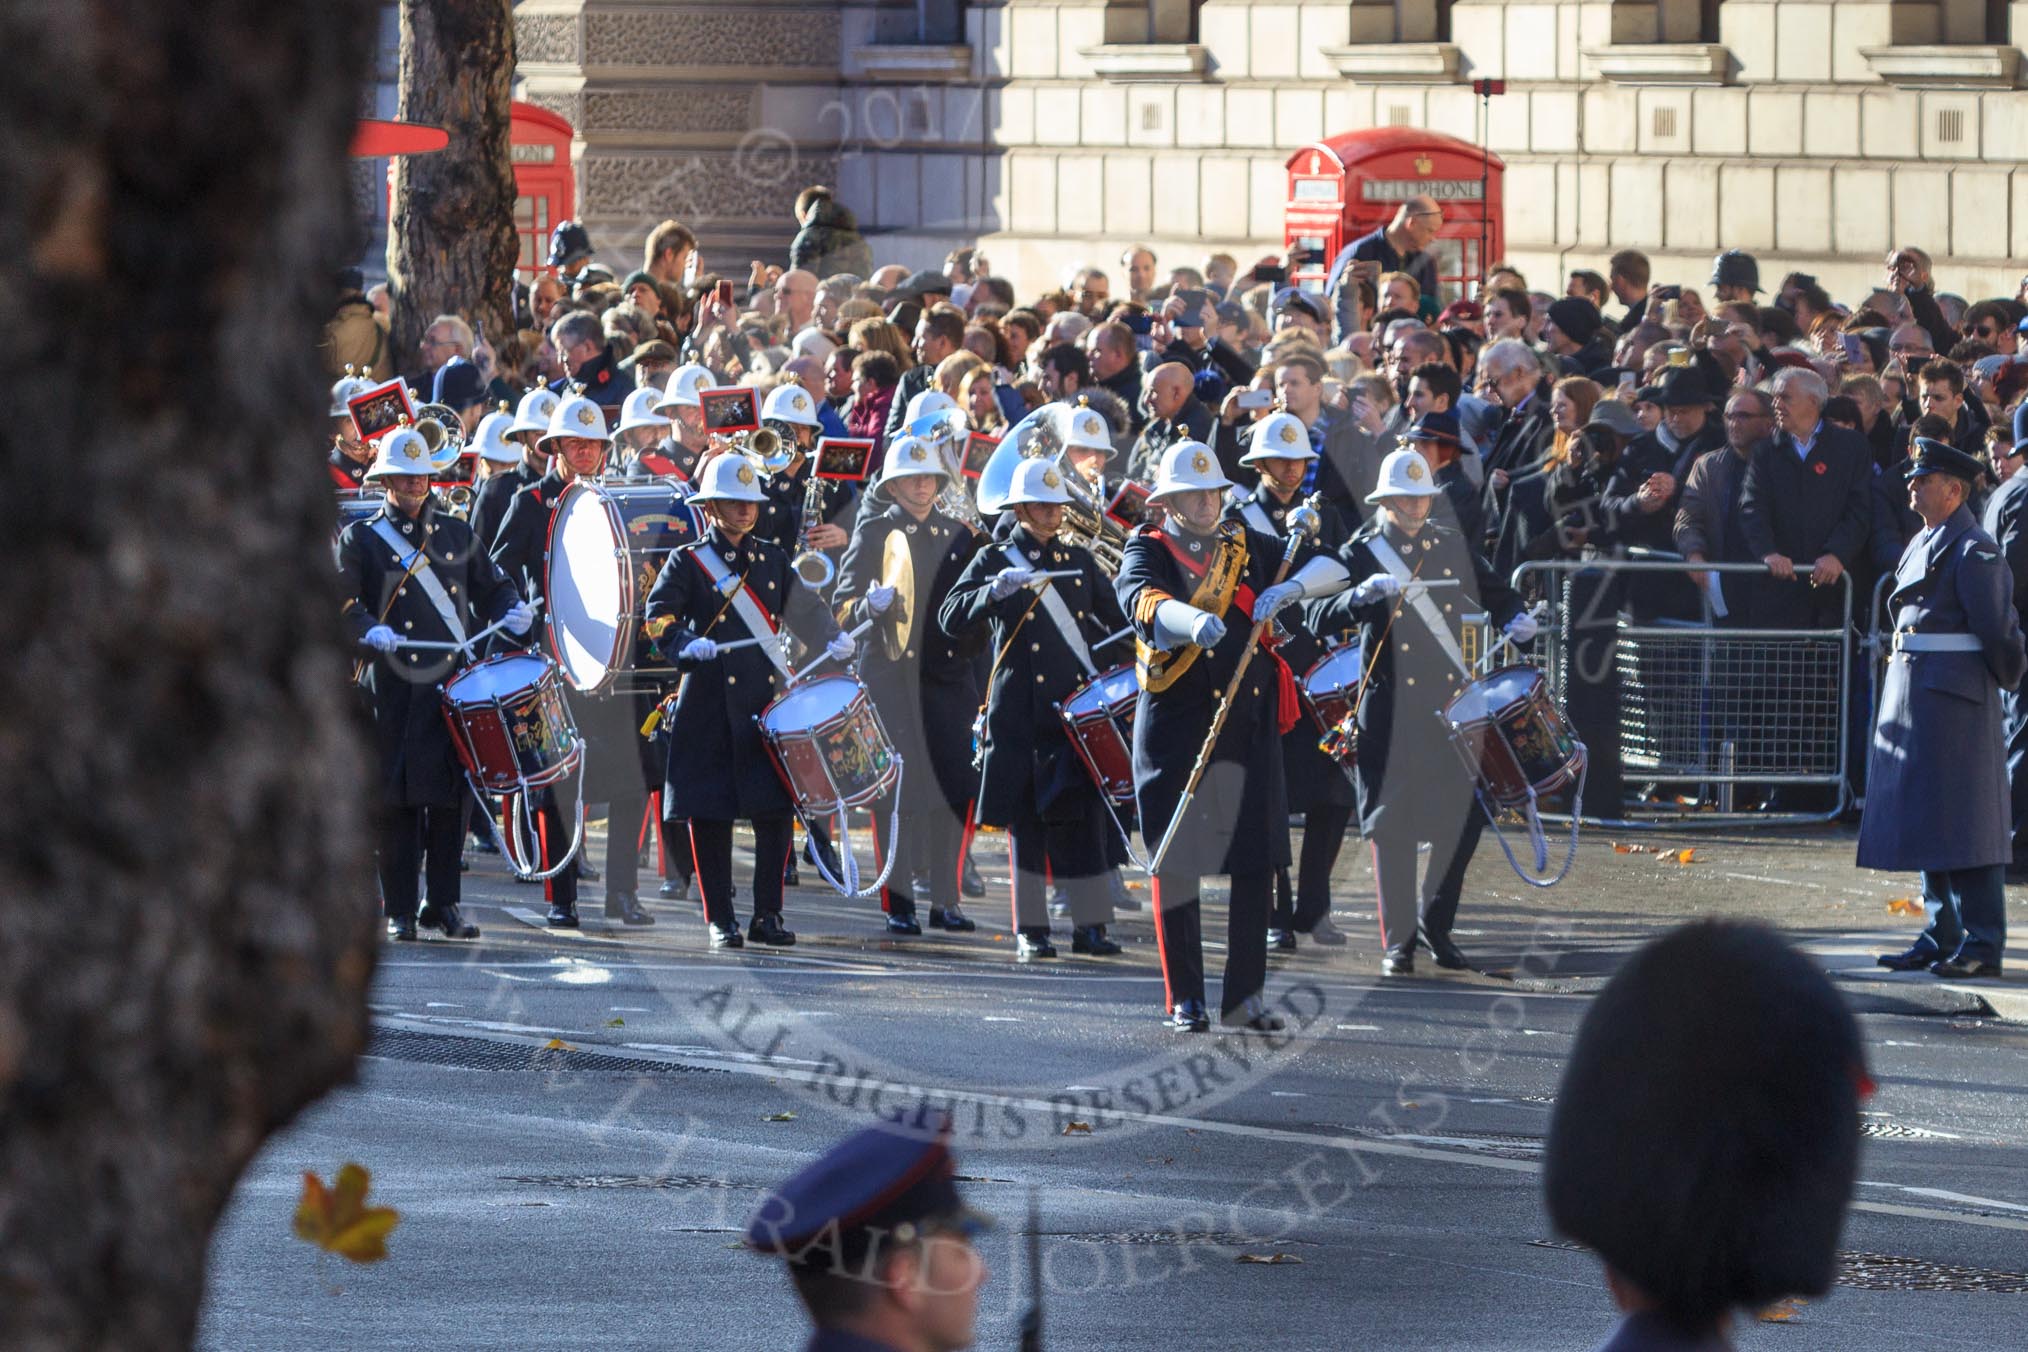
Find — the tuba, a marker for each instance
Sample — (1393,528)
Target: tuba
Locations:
(443,432)
(947,432)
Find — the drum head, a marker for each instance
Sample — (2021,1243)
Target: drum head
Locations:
(590,601)
(1335,671)
(496,678)
(811,704)
(1480,701)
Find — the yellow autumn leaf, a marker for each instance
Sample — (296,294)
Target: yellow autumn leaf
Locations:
(557,1044)
(616,1023)
(1685,856)
(1904,906)
(337,1219)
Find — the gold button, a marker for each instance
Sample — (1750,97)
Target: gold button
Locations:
(401,591)
(1404,646)
(408,624)
(451,558)
(1038,680)
(909,653)
(1447,607)
(1035,647)
(1411,680)
(454,589)
(1447,572)
(732,680)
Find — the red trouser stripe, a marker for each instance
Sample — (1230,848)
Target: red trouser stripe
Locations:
(1161,949)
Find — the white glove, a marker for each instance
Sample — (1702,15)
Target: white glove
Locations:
(699,650)
(1274,598)
(841,647)
(1379,587)
(1207,630)
(381,639)
(1522,628)
(519,619)
(1011,580)
(878,599)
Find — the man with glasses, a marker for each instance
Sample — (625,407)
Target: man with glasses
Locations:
(589,362)
(447,336)
(1708,528)
(1399,246)
(1992,323)
(1806,505)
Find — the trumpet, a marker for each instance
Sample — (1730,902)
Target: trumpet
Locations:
(765,447)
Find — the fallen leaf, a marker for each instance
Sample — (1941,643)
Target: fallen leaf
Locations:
(616,1023)
(557,1044)
(1077,1129)
(1904,906)
(1686,856)
(337,1219)
(1622,848)
(1782,1311)
(779,1117)
(1270,1258)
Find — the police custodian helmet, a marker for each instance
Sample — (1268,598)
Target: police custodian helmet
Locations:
(1705,1138)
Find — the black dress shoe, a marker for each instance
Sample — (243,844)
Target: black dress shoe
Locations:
(903,924)
(1092,939)
(1398,962)
(1964,969)
(562,915)
(1033,943)
(585,872)
(673,887)
(769,929)
(449,919)
(1282,939)
(625,907)
(969,882)
(819,851)
(402,928)
(1447,954)
(952,919)
(1253,1013)
(1190,1016)
(1326,933)
(1918,959)
(726,936)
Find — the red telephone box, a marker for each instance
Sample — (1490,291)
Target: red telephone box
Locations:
(1352,184)
(545,188)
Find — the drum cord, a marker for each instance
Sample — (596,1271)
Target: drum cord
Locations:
(511,845)
(849,862)
(1535,833)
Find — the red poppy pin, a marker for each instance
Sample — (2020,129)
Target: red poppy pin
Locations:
(1821,467)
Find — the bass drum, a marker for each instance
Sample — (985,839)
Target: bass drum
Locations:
(607,543)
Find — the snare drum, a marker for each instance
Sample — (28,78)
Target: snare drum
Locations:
(509,723)
(607,543)
(1330,684)
(1513,738)
(1099,720)
(356,505)
(828,745)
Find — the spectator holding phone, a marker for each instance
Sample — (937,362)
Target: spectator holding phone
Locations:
(1398,246)
(1212,363)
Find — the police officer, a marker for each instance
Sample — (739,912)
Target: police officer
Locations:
(919,677)
(576,440)
(879,1243)
(531,421)
(732,585)
(1715,1035)
(1189,587)
(411,571)
(1280,452)
(1936,782)
(1034,783)
(1412,788)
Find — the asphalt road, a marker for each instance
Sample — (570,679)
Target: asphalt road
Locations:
(591,1194)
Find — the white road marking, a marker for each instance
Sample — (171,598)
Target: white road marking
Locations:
(1946,1195)
(755,1067)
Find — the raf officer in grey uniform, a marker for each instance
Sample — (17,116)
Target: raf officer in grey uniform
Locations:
(1936,795)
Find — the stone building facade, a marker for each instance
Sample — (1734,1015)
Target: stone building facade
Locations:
(1054,132)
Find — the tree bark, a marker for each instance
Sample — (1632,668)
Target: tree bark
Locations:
(186,908)
(451,245)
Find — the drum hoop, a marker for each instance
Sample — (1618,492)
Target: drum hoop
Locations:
(623,635)
(454,714)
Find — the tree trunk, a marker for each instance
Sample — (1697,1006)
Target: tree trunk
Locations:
(451,245)
(186,913)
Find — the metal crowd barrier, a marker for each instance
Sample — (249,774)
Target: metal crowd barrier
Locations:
(1712,716)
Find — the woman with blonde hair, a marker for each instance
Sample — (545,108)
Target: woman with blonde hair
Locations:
(980,402)
(952,370)
(1571,401)
(878,335)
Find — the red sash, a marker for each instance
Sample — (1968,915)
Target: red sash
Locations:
(1287,711)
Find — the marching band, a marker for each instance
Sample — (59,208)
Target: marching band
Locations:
(737,629)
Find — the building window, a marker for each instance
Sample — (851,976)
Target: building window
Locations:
(1130,22)
(1673,21)
(927,23)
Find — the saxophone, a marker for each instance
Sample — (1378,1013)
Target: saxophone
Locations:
(813,566)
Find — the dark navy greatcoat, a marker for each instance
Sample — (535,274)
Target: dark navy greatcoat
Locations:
(781,516)
(719,769)
(1239,819)
(1314,779)
(521,545)
(1030,768)
(494,496)
(1936,781)
(929,695)
(405,689)
(1406,767)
